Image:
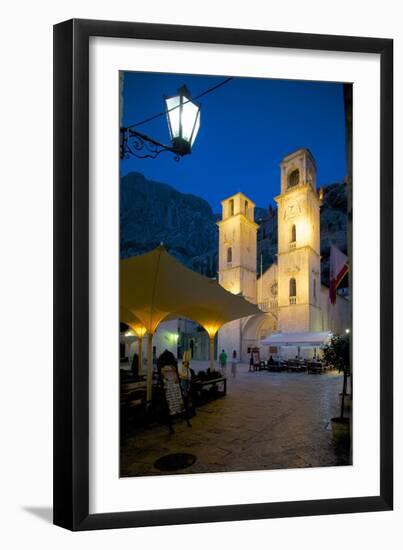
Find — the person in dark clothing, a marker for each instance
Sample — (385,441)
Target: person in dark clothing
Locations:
(166,358)
(233,364)
(251,365)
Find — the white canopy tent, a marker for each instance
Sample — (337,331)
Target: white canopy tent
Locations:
(298,339)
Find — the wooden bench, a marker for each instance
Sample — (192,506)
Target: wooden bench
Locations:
(207,390)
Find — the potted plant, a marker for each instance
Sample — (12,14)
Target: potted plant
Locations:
(337,354)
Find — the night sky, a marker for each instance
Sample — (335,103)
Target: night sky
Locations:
(247,127)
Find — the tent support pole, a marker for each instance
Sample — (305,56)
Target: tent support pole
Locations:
(149,367)
(140,351)
(211,352)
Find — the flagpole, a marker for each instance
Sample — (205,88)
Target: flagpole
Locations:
(261,273)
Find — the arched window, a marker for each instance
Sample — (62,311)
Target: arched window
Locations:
(314,289)
(229,255)
(246,207)
(231,207)
(293,288)
(293,233)
(293,178)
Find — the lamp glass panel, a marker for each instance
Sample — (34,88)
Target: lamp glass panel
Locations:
(189,116)
(196,128)
(173,114)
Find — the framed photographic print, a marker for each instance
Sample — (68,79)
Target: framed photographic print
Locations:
(223,318)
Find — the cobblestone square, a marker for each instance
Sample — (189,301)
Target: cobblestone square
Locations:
(266,421)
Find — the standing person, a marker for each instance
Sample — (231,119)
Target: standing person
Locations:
(223,361)
(184,373)
(184,377)
(251,362)
(233,365)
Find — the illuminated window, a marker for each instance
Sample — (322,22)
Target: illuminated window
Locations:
(293,233)
(293,291)
(293,178)
(229,255)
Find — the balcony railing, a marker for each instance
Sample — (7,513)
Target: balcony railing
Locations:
(293,245)
(268,305)
(293,300)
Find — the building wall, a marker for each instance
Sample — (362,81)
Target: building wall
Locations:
(229,338)
(336,317)
(254,329)
(165,338)
(198,343)
(267,290)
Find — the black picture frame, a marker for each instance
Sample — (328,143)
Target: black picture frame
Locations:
(71,274)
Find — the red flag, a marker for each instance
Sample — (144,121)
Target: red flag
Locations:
(338,269)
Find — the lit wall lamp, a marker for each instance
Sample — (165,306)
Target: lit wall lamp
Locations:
(183,117)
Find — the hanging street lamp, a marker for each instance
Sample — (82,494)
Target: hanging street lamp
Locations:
(183,117)
(183,120)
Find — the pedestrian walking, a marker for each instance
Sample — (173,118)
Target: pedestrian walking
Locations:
(233,365)
(223,362)
(251,366)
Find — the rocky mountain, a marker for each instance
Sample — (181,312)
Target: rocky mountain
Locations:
(153,212)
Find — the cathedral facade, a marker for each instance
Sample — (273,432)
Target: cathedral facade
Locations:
(289,293)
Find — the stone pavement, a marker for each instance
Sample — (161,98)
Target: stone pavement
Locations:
(266,421)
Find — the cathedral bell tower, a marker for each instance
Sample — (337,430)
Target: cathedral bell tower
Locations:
(237,263)
(237,246)
(299,278)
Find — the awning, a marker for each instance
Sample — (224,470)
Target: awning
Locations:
(155,285)
(132,321)
(301,339)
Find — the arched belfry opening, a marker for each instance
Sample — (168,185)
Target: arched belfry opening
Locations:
(293,178)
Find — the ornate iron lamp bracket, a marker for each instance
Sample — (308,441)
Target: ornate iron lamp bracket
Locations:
(133,143)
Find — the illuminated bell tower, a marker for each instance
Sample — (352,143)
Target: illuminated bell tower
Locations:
(237,255)
(299,277)
(237,246)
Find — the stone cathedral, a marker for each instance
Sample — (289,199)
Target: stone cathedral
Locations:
(289,293)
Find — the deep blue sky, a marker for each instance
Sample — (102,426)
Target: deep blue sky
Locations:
(247,127)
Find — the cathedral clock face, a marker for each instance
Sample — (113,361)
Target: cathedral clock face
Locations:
(292,210)
(273,289)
